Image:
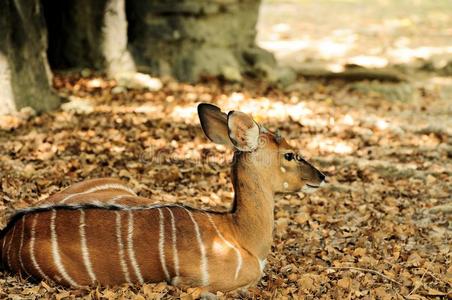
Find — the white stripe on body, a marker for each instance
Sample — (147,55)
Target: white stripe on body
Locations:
(122,260)
(84,247)
(162,243)
(32,249)
(114,186)
(21,262)
(202,248)
(8,251)
(3,246)
(230,245)
(174,240)
(56,252)
(131,250)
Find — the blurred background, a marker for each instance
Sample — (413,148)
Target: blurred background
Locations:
(362,88)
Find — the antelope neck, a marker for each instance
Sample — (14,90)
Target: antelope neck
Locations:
(252,213)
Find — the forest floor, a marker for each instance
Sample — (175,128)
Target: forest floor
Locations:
(380,229)
(336,34)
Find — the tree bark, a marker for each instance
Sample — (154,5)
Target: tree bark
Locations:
(88,34)
(25,77)
(191,39)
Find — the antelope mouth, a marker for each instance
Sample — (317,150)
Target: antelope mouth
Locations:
(312,186)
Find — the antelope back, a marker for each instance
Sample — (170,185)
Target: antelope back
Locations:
(79,245)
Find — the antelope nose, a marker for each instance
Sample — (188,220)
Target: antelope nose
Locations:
(322,178)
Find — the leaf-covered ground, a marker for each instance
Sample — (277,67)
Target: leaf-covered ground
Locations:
(332,34)
(380,229)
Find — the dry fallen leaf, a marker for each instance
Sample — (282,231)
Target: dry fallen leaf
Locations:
(344,283)
(306,282)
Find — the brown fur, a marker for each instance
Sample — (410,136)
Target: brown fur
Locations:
(257,177)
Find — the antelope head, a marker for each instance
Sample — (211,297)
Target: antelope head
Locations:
(260,151)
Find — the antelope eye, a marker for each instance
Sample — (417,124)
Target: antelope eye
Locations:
(289,156)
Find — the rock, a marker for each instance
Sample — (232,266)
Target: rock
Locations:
(190,40)
(285,76)
(392,91)
(263,70)
(118,90)
(231,74)
(298,87)
(255,55)
(78,106)
(137,80)
(282,76)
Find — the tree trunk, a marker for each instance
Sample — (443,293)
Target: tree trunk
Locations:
(191,39)
(25,77)
(88,34)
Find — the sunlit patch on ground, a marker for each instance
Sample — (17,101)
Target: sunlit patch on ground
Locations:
(372,34)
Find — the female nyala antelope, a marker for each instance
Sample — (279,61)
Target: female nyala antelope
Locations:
(99,231)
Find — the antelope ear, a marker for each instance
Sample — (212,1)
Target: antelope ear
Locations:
(243,131)
(214,123)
